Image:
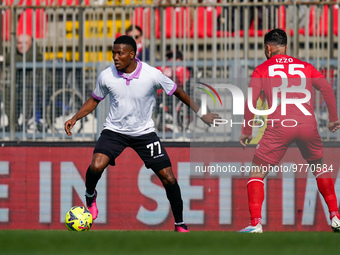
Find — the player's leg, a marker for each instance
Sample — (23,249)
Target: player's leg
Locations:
(326,188)
(108,147)
(93,174)
(173,193)
(255,190)
(154,155)
(311,148)
(268,153)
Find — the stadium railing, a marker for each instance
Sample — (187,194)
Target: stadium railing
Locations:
(220,41)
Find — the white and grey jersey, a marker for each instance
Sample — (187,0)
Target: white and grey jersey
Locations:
(132,98)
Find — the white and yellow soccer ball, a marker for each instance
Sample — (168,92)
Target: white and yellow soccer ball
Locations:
(78,218)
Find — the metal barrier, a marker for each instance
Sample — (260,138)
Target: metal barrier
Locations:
(220,42)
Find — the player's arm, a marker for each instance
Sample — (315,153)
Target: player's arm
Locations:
(320,83)
(87,108)
(246,133)
(334,125)
(208,118)
(256,86)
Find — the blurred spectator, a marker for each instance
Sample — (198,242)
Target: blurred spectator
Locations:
(237,15)
(182,75)
(24,43)
(137,33)
(303,15)
(24,48)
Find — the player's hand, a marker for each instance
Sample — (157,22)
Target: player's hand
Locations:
(69,125)
(209,118)
(334,126)
(245,139)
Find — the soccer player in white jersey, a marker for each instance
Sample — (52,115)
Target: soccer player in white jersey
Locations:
(132,86)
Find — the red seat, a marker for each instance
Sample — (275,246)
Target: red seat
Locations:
(26,22)
(182,19)
(6,25)
(323,21)
(6,22)
(70,2)
(205,29)
(142,15)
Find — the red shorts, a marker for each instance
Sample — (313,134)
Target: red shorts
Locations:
(276,140)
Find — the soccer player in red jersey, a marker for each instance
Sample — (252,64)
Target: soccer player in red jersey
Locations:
(287,83)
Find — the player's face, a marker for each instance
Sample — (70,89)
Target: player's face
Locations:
(123,56)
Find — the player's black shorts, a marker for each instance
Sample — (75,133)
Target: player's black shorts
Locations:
(148,147)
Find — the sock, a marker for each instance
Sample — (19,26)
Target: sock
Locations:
(326,187)
(335,213)
(255,221)
(255,199)
(173,194)
(91,180)
(89,195)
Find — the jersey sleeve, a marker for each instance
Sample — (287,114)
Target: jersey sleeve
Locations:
(100,90)
(256,87)
(320,83)
(165,83)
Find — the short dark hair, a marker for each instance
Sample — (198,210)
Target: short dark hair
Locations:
(171,54)
(130,29)
(124,39)
(276,36)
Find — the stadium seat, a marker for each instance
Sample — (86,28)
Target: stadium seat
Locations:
(6,25)
(142,18)
(251,31)
(281,19)
(202,25)
(323,21)
(142,15)
(26,19)
(182,19)
(71,2)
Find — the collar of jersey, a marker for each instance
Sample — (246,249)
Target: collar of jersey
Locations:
(135,74)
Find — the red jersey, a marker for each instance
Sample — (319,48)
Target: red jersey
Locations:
(280,72)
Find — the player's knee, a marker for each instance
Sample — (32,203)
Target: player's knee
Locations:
(97,168)
(168,179)
(99,162)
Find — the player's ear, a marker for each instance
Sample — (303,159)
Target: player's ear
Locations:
(132,55)
(267,50)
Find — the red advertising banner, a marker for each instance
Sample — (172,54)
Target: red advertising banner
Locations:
(39,184)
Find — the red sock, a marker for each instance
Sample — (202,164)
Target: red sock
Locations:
(326,187)
(255,199)
(335,213)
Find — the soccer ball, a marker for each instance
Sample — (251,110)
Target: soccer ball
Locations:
(78,218)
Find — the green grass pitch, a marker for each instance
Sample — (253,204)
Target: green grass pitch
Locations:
(165,242)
